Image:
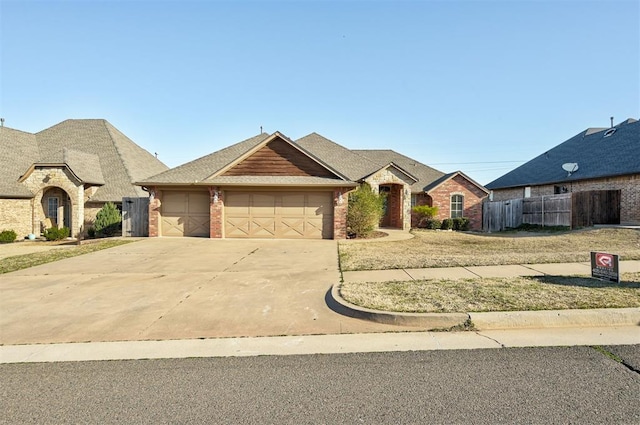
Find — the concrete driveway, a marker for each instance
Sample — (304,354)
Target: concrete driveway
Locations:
(163,288)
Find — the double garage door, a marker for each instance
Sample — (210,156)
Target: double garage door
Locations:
(273,215)
(302,215)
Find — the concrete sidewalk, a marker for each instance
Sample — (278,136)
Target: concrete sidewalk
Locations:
(318,344)
(562,269)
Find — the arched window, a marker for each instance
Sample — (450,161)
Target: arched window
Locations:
(457,206)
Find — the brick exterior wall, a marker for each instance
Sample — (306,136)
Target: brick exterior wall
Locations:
(473,197)
(216,214)
(629,187)
(154,212)
(340,203)
(15,214)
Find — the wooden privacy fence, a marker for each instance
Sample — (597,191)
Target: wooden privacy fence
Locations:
(577,209)
(135,217)
(595,207)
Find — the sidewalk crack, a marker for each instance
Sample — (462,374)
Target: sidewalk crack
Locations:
(491,339)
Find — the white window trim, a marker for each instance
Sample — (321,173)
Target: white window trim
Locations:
(461,204)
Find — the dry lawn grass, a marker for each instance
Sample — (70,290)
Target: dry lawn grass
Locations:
(18,262)
(432,248)
(495,294)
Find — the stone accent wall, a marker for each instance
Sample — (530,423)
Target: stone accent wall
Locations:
(473,196)
(340,204)
(154,212)
(391,175)
(629,187)
(216,214)
(15,214)
(42,179)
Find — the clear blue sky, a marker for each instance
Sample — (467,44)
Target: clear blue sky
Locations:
(462,85)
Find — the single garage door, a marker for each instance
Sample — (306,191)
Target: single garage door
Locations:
(301,215)
(185,214)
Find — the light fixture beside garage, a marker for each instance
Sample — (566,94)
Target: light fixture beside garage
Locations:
(215,197)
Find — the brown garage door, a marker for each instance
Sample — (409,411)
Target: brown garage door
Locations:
(302,215)
(185,214)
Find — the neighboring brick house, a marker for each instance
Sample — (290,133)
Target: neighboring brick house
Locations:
(606,158)
(66,173)
(269,186)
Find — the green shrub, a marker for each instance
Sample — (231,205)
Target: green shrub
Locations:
(432,224)
(365,210)
(461,223)
(447,224)
(108,220)
(8,236)
(91,232)
(56,234)
(424,213)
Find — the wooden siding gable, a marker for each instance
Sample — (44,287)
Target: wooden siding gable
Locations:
(279,158)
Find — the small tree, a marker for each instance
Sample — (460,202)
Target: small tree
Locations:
(365,211)
(425,214)
(108,220)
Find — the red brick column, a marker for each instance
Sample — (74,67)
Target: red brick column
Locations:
(154,212)
(340,203)
(216,210)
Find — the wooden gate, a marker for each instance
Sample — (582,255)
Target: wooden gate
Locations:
(595,207)
(135,217)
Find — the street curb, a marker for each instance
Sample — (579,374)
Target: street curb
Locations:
(426,321)
(492,320)
(556,318)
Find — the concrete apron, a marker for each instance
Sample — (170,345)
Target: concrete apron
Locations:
(180,288)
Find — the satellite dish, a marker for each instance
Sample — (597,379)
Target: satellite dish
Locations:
(570,167)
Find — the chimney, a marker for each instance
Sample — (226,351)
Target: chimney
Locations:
(611,118)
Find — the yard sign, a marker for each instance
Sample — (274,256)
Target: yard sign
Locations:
(605,266)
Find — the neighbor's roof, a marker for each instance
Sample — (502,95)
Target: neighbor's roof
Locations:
(93,149)
(425,174)
(599,153)
(18,151)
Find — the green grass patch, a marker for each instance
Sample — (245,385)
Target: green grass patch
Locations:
(19,262)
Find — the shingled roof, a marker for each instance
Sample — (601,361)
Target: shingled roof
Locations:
(425,174)
(352,165)
(93,149)
(200,169)
(18,151)
(599,153)
(347,162)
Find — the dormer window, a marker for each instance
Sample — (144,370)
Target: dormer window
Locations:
(609,132)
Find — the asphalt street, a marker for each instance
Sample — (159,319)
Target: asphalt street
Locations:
(513,385)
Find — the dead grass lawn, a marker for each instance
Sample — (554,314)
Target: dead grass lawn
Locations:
(432,248)
(18,262)
(495,294)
